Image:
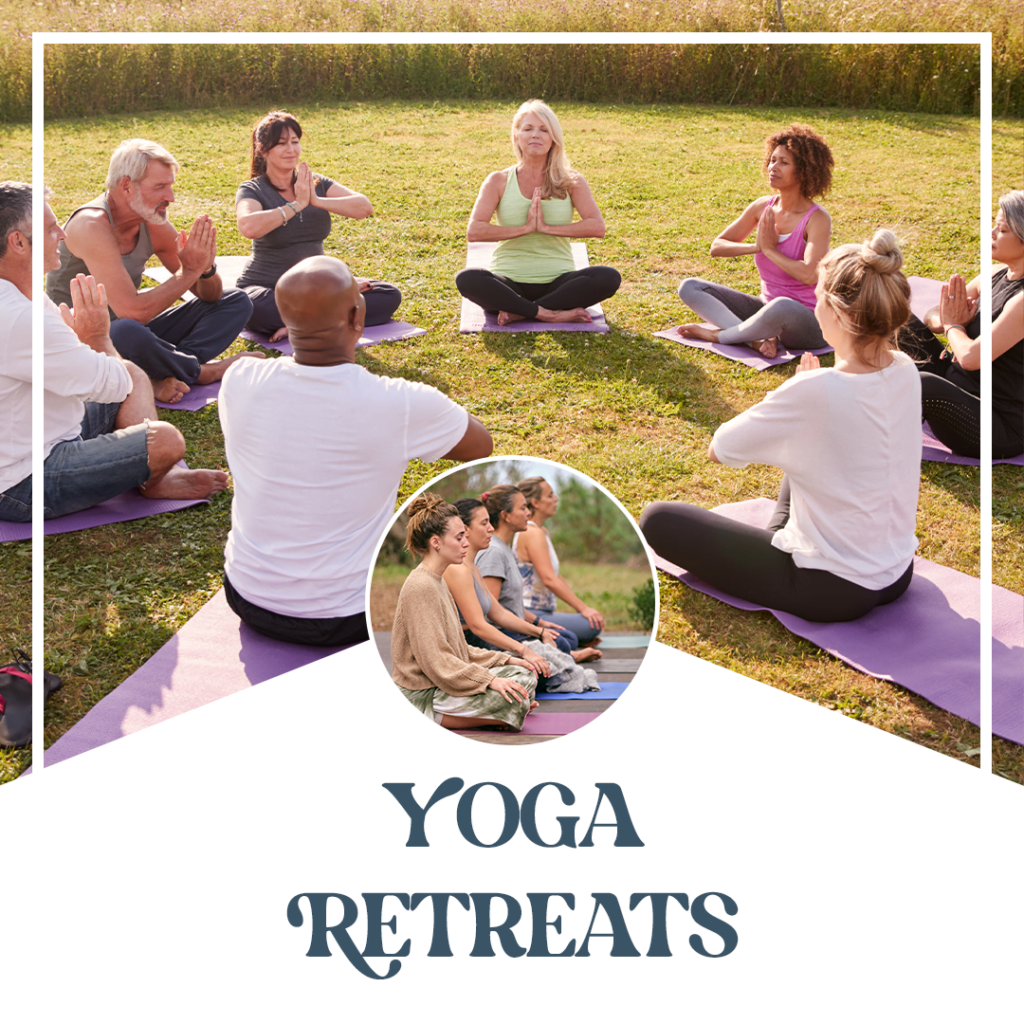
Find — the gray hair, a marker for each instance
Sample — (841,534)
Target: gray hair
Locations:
(131,159)
(15,210)
(1012,205)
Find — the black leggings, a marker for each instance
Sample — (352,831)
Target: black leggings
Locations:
(382,299)
(953,413)
(335,632)
(741,561)
(578,288)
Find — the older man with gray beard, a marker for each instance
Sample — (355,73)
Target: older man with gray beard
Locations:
(111,239)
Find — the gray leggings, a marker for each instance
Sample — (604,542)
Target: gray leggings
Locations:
(745,318)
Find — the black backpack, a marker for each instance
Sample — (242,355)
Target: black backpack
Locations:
(16,700)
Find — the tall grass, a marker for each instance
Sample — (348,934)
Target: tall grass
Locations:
(91,79)
(916,88)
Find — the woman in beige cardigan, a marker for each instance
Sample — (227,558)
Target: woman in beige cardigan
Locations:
(458,686)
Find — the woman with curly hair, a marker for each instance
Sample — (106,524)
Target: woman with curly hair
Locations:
(534,201)
(791,234)
(848,439)
(458,686)
(286,210)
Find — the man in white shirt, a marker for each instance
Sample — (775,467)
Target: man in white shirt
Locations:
(101,433)
(112,237)
(317,446)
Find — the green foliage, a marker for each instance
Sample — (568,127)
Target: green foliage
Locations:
(89,79)
(643,605)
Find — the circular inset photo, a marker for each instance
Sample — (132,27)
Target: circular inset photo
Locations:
(512,601)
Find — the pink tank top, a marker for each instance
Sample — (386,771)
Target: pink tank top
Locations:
(775,282)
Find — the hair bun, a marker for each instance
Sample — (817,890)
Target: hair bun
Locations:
(882,254)
(425,503)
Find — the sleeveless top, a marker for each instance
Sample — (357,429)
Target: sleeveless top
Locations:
(532,258)
(483,595)
(775,282)
(1007,370)
(536,596)
(58,282)
(287,244)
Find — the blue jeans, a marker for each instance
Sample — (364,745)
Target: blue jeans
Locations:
(16,502)
(100,464)
(572,621)
(176,342)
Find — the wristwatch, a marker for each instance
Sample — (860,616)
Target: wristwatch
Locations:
(209,273)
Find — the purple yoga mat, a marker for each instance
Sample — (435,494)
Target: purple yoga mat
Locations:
(393,330)
(927,641)
(126,506)
(933,450)
(200,396)
(474,319)
(540,724)
(211,656)
(740,353)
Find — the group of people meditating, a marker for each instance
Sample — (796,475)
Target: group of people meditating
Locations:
(112,349)
(487,585)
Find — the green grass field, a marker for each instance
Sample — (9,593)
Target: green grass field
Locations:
(631,411)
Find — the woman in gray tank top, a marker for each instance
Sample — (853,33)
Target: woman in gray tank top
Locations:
(286,210)
(474,601)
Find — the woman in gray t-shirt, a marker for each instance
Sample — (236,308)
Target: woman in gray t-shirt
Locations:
(509,514)
(286,210)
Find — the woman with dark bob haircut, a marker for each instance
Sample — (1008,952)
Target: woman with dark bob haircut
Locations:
(791,234)
(458,686)
(286,210)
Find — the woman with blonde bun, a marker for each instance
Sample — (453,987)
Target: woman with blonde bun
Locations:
(848,439)
(458,686)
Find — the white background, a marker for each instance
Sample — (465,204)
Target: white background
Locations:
(875,879)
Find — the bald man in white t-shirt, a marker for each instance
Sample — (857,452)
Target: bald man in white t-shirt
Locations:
(317,447)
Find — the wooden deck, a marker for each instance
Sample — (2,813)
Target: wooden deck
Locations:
(622,655)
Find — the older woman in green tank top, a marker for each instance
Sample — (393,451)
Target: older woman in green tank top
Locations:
(532,275)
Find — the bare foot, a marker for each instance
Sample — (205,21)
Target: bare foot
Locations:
(698,331)
(586,654)
(209,372)
(186,483)
(533,704)
(281,332)
(564,316)
(508,318)
(768,348)
(170,390)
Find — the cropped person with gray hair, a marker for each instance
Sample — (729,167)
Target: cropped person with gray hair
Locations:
(111,239)
(951,377)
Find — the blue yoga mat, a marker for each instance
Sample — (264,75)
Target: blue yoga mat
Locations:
(608,691)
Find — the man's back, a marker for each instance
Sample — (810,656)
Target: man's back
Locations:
(317,455)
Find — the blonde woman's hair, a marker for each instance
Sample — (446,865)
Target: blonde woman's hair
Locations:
(429,515)
(132,158)
(559,176)
(531,489)
(865,288)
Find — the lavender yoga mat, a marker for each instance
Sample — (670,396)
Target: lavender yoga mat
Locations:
(927,641)
(924,293)
(393,330)
(539,724)
(211,656)
(933,450)
(740,353)
(474,319)
(125,507)
(200,396)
